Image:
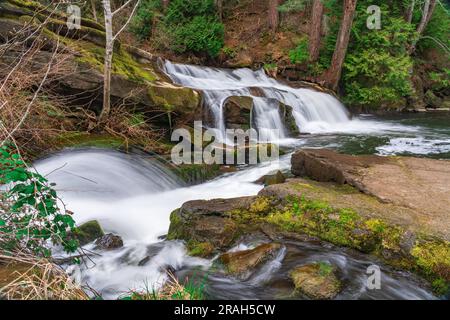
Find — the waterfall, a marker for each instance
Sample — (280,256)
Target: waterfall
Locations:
(313,111)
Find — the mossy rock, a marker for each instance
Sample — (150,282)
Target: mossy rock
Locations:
(316,281)
(88,232)
(243,263)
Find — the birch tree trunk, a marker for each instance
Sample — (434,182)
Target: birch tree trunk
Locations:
(428,9)
(315,30)
(333,74)
(109,49)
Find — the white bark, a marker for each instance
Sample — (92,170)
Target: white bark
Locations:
(109,51)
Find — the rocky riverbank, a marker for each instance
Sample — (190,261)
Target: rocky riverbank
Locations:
(367,203)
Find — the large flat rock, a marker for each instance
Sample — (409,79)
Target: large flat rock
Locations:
(416,189)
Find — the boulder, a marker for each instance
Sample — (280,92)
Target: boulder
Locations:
(242,263)
(108,242)
(135,75)
(206,222)
(316,281)
(88,232)
(288,119)
(270,179)
(237,111)
(431,100)
(424,202)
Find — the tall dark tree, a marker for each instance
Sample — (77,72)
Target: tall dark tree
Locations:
(315,29)
(333,74)
(273,14)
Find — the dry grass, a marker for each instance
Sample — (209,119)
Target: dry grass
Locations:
(32,278)
(171,290)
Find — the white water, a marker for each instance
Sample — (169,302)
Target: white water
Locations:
(89,182)
(312,110)
(133,196)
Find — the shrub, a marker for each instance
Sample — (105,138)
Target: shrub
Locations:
(29,214)
(300,53)
(182,11)
(201,34)
(143,20)
(377,67)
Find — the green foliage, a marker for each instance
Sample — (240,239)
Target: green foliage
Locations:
(194,27)
(292,5)
(143,20)
(325,268)
(377,67)
(201,34)
(182,11)
(441,80)
(29,215)
(186,26)
(300,54)
(437,33)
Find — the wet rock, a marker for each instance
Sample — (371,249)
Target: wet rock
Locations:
(88,232)
(242,263)
(108,242)
(317,280)
(237,110)
(204,222)
(432,100)
(272,179)
(288,119)
(144,261)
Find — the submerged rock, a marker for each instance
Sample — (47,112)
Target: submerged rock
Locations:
(317,280)
(108,242)
(242,263)
(88,232)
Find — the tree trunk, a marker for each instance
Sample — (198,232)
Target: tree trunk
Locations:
(428,9)
(333,74)
(94,10)
(109,49)
(410,13)
(274,17)
(315,30)
(219,7)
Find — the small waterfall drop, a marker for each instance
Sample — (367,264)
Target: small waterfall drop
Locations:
(313,111)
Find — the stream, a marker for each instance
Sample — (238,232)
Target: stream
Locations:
(132,195)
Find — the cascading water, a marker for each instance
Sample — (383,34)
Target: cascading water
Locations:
(133,196)
(313,111)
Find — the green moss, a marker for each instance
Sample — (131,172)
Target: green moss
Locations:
(196,173)
(84,139)
(88,232)
(200,249)
(433,259)
(177,228)
(325,268)
(123,63)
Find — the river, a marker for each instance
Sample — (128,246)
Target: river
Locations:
(133,195)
